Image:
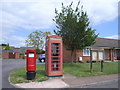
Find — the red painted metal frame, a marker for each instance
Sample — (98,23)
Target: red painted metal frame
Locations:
(31,61)
(48,64)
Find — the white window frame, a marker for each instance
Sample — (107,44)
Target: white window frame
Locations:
(85,54)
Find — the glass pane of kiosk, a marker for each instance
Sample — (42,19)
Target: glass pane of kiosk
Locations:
(55,56)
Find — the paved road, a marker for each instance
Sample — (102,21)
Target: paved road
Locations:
(7,67)
(108,84)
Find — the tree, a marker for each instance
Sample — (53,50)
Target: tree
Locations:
(36,39)
(7,47)
(38,51)
(3,44)
(73,27)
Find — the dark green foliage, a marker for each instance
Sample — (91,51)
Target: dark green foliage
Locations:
(3,44)
(73,26)
(40,51)
(22,53)
(7,47)
(37,51)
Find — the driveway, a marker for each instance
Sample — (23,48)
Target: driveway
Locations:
(7,66)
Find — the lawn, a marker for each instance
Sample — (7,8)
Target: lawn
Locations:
(19,75)
(77,69)
(83,69)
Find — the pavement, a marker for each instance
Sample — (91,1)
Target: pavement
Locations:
(70,81)
(106,84)
(82,81)
(52,83)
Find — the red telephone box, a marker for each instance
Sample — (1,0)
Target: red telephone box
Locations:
(31,64)
(53,62)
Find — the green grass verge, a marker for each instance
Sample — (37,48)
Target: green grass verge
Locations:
(83,69)
(77,69)
(19,75)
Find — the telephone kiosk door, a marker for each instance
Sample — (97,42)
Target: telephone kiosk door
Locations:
(54,56)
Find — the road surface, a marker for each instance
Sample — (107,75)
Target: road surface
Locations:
(7,67)
(106,84)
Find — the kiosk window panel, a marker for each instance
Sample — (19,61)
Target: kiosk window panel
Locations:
(55,69)
(57,47)
(54,47)
(55,51)
(55,58)
(55,65)
(55,44)
(55,54)
(55,61)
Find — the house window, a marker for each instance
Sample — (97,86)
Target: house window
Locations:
(86,52)
(115,53)
(107,54)
(118,53)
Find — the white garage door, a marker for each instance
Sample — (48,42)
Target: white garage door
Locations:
(97,55)
(100,55)
(94,55)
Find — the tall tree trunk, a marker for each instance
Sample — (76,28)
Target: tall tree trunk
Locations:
(72,56)
(75,55)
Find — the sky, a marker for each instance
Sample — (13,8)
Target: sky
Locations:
(19,18)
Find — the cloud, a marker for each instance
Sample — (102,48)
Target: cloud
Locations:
(32,15)
(19,39)
(38,14)
(100,11)
(28,18)
(14,40)
(114,37)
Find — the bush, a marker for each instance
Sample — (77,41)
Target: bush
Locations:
(22,53)
(38,51)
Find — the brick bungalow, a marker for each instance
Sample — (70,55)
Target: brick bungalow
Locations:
(10,54)
(15,53)
(103,49)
